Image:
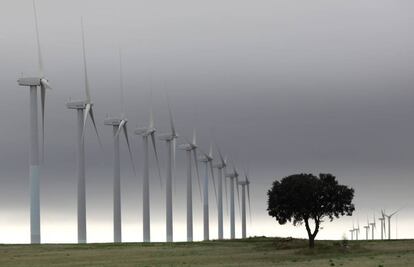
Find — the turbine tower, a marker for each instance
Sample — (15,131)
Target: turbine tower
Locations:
(83,109)
(146,134)
(207,159)
(34,178)
(170,139)
(373,226)
(119,124)
(190,149)
(244,184)
(220,167)
(233,176)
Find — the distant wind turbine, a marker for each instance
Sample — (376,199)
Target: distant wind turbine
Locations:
(357,230)
(352,232)
(373,226)
(207,159)
(34,82)
(119,124)
(244,184)
(148,133)
(389,222)
(170,139)
(233,176)
(190,149)
(220,167)
(84,109)
(366,229)
(382,220)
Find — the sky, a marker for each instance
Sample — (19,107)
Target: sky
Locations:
(283,86)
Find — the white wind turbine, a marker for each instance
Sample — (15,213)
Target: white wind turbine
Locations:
(357,231)
(207,159)
(34,82)
(389,221)
(382,220)
(220,167)
(244,184)
(191,154)
(366,229)
(84,109)
(233,176)
(373,226)
(170,139)
(148,133)
(352,230)
(119,124)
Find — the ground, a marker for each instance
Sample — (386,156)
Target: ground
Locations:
(250,252)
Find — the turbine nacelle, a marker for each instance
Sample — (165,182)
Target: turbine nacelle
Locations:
(114,121)
(187,147)
(80,104)
(29,81)
(144,131)
(167,136)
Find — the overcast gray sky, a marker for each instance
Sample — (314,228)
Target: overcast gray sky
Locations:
(284,86)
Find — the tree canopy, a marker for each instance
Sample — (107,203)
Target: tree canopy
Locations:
(302,198)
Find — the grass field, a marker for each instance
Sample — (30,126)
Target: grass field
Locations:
(249,252)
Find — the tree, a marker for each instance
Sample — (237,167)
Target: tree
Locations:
(303,198)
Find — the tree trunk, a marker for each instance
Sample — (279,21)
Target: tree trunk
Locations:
(311,242)
(311,235)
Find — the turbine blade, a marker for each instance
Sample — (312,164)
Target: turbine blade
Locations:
(121,83)
(174,150)
(248,197)
(120,127)
(210,152)
(94,126)
(43,102)
(221,155)
(171,117)
(225,189)
(154,146)
(85,68)
(129,148)
(213,179)
(238,194)
(151,117)
(85,117)
(197,172)
(39,51)
(194,137)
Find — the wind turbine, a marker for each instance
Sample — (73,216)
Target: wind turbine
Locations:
(34,178)
(83,109)
(244,184)
(366,229)
(352,232)
(119,124)
(382,220)
(373,226)
(190,149)
(220,167)
(233,176)
(170,139)
(207,159)
(357,231)
(389,222)
(146,134)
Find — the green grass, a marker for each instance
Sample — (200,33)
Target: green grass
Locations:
(249,252)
